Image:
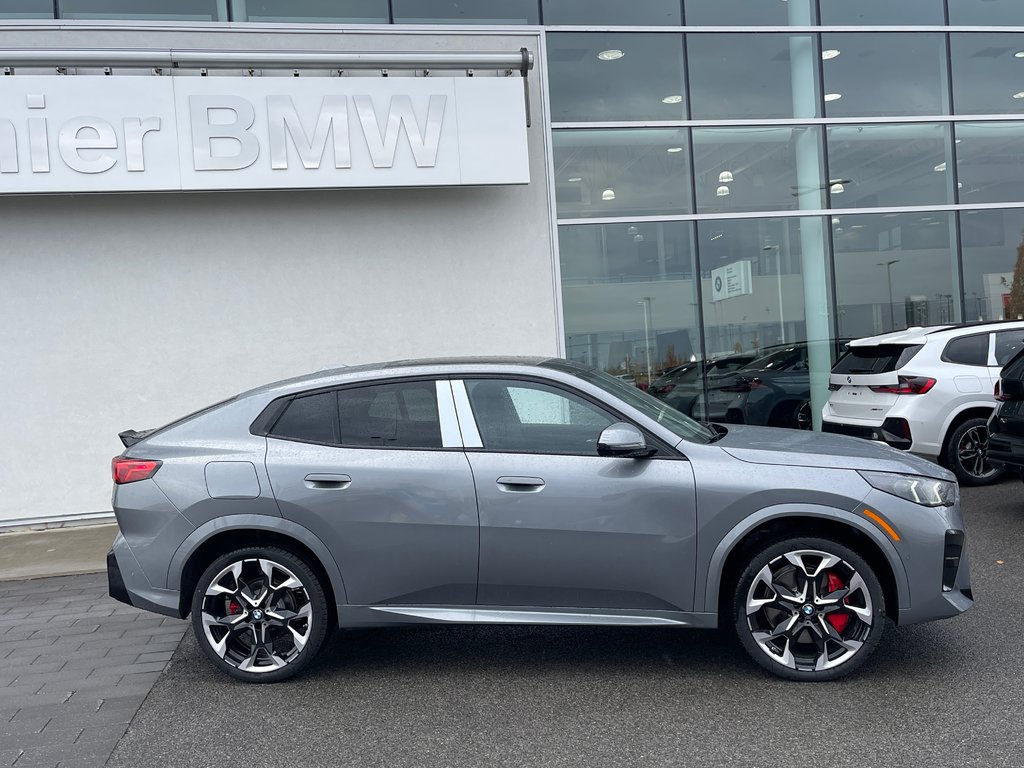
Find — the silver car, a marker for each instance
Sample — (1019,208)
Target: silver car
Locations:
(532,491)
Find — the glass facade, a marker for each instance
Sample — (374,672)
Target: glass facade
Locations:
(729,195)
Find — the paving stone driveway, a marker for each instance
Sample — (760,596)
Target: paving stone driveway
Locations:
(75,666)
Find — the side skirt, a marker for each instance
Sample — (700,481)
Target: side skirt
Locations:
(352,616)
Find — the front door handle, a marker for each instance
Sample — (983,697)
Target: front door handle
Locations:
(515,484)
(321,481)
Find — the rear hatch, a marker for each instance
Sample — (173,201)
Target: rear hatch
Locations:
(865,383)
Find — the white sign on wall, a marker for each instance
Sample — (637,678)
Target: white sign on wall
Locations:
(119,134)
(731,280)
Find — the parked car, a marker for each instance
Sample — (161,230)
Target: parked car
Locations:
(1006,424)
(525,491)
(927,391)
(681,386)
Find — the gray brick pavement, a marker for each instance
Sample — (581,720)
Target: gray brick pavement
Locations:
(75,666)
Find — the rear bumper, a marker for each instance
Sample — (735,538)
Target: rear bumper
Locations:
(889,432)
(128,584)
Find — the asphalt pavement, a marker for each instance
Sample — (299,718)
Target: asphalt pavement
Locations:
(947,693)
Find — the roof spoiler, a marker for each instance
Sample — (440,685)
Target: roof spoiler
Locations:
(130,436)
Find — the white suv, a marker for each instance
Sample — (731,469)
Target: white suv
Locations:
(925,390)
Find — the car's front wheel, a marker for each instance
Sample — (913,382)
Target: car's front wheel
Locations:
(260,614)
(965,454)
(809,609)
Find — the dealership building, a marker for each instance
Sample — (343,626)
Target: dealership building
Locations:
(200,196)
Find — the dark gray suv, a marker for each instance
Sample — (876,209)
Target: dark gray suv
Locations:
(526,491)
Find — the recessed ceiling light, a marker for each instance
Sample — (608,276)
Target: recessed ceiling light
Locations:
(934,223)
(722,191)
(940,167)
(638,238)
(610,55)
(831,53)
(959,185)
(837,188)
(833,96)
(719,235)
(1019,55)
(857,226)
(836,221)
(608,194)
(958,141)
(673,150)
(1019,95)
(725,177)
(674,99)
(574,179)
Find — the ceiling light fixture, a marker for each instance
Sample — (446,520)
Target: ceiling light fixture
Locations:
(725,177)
(836,221)
(1019,95)
(833,96)
(610,55)
(631,230)
(608,194)
(673,150)
(1019,55)
(574,179)
(722,191)
(940,167)
(638,238)
(837,188)
(830,53)
(674,99)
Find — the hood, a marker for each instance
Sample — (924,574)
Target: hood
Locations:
(790,447)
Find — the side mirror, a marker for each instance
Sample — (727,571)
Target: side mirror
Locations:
(624,441)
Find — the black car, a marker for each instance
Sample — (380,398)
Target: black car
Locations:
(680,386)
(1006,424)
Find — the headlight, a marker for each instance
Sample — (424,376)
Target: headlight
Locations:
(926,491)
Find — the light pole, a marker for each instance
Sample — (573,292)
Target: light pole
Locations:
(888,279)
(645,302)
(778,285)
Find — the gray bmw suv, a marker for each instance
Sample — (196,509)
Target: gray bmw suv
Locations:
(533,491)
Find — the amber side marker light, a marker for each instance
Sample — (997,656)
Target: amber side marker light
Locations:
(880,521)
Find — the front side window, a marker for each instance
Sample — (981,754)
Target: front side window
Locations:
(1008,344)
(527,417)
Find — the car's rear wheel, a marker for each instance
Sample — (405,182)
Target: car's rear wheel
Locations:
(965,454)
(809,609)
(260,614)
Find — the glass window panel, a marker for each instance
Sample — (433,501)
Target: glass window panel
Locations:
(894,270)
(739,12)
(757,169)
(312,419)
(466,11)
(736,76)
(635,13)
(990,162)
(992,243)
(175,10)
(968,350)
(884,73)
(1005,13)
(988,77)
(390,416)
(615,76)
(851,13)
(621,172)
(629,297)
(889,165)
(357,11)
(1008,344)
(26,9)
(754,273)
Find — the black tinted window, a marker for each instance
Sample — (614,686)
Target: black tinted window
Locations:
(312,419)
(402,415)
(1008,344)
(884,358)
(970,350)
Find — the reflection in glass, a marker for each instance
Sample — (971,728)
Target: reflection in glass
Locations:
(634,13)
(894,271)
(176,10)
(646,171)
(841,13)
(988,76)
(355,11)
(764,284)
(26,9)
(992,244)
(990,162)
(1002,13)
(757,169)
(747,14)
(736,76)
(889,165)
(884,73)
(615,76)
(629,297)
(466,12)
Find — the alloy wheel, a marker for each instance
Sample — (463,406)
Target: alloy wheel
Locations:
(809,610)
(802,418)
(970,452)
(257,615)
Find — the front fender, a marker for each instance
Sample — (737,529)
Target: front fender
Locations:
(711,590)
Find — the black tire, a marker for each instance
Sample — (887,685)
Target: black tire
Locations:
(253,633)
(808,647)
(965,454)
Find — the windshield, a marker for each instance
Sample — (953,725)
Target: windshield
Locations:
(679,424)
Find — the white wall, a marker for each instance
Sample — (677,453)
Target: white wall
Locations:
(127,311)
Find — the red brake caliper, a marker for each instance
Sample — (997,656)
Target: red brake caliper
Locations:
(839,621)
(234,607)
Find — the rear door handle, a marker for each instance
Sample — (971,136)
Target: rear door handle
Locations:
(321,481)
(515,484)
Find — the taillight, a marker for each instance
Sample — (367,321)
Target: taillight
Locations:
(132,470)
(908,385)
(997,392)
(744,385)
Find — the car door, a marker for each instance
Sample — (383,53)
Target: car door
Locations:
(561,526)
(377,472)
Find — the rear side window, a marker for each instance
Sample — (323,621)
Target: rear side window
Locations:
(884,358)
(1008,344)
(401,415)
(969,350)
(311,419)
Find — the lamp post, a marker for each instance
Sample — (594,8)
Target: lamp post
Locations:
(888,279)
(778,285)
(645,302)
